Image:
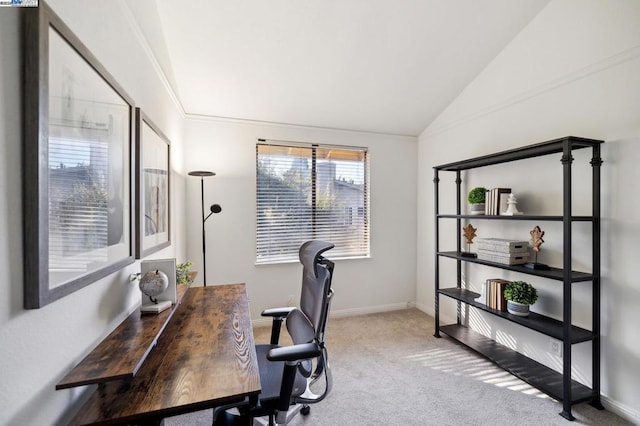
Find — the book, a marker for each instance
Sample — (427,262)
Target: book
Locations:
(503,202)
(496,300)
(496,199)
(487,202)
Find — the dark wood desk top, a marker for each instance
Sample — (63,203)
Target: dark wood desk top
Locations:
(133,339)
(205,357)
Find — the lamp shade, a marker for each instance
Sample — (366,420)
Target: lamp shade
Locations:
(201,173)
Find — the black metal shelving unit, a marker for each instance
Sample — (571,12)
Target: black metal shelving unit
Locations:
(558,385)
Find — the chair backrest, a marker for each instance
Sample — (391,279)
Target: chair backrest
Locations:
(315,296)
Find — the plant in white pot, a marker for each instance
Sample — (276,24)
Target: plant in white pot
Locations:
(476,199)
(519,295)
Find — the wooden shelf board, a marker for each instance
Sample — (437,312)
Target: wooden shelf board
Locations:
(121,354)
(551,273)
(538,375)
(540,323)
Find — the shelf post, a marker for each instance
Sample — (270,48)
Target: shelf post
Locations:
(596,163)
(436,266)
(459,242)
(566,161)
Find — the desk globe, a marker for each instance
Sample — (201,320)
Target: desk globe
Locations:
(152,284)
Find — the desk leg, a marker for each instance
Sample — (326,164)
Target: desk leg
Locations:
(150,422)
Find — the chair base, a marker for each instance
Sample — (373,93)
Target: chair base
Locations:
(293,411)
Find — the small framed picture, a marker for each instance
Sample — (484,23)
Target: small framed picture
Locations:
(152,187)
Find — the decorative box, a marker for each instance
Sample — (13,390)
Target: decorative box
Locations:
(502,245)
(503,258)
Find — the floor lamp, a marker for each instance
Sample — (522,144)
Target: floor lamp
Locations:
(215,208)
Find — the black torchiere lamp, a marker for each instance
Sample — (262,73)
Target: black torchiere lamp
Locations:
(215,208)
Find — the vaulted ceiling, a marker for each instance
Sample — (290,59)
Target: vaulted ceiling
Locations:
(387,66)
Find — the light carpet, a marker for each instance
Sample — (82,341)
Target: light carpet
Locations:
(389,369)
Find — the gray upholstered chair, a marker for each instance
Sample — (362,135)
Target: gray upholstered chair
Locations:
(287,372)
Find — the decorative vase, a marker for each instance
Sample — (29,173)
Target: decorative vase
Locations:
(515,308)
(477,208)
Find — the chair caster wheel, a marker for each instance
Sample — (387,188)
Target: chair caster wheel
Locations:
(305,410)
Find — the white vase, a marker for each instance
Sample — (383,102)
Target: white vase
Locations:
(515,308)
(477,208)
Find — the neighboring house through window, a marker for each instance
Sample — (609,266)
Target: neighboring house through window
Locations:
(309,192)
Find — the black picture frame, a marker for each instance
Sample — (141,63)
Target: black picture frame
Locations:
(77,164)
(153,187)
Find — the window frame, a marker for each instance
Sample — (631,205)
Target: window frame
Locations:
(365,237)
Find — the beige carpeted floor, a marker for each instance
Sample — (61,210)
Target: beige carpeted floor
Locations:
(389,369)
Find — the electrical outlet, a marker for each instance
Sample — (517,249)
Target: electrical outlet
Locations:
(555,347)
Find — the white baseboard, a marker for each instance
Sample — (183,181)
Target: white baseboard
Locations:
(427,309)
(349,312)
(621,410)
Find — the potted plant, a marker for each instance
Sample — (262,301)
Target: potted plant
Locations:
(519,296)
(476,199)
(182,272)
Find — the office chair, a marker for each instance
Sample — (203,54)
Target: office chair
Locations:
(287,372)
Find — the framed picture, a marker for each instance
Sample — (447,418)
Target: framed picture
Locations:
(152,187)
(77,180)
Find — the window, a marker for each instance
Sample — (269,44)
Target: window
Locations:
(309,192)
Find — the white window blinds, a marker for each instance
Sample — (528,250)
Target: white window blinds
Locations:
(310,192)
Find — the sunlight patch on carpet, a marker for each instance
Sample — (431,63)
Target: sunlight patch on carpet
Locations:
(464,364)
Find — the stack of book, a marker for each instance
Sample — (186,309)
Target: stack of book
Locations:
(492,294)
(496,201)
(504,251)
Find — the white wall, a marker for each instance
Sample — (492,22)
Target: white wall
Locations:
(40,346)
(575,70)
(385,281)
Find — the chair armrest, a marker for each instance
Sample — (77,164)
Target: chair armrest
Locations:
(294,352)
(278,312)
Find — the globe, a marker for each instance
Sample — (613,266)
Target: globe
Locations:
(154,283)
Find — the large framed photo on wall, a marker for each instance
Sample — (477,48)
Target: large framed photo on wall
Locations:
(77,180)
(152,187)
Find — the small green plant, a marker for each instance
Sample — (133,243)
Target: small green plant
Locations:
(476,195)
(521,292)
(182,272)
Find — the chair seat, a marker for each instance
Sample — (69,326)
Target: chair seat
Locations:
(271,376)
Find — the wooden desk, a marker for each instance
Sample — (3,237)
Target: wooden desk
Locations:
(205,357)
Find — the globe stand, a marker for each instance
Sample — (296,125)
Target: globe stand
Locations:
(155,308)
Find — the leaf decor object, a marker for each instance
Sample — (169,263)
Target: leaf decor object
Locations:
(469,233)
(536,238)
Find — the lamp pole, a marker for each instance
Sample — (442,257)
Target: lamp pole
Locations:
(202,174)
